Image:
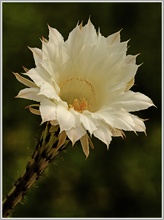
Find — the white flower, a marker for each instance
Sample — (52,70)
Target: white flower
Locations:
(82,84)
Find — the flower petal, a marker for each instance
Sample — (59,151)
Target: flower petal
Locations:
(105,115)
(121,75)
(66,118)
(88,123)
(49,91)
(43,80)
(53,52)
(131,59)
(38,76)
(104,134)
(123,120)
(34,110)
(37,54)
(133,101)
(129,84)
(139,124)
(48,110)
(31,94)
(113,38)
(24,81)
(55,36)
(74,134)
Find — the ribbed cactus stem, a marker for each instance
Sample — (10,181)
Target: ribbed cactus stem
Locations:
(48,147)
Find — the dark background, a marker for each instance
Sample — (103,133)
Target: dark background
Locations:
(122,182)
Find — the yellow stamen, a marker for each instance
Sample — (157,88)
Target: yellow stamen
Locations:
(79,105)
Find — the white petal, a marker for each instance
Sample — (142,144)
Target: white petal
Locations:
(118,48)
(129,84)
(139,124)
(74,134)
(131,59)
(51,68)
(89,33)
(123,120)
(133,101)
(49,91)
(67,118)
(74,43)
(113,38)
(48,110)
(121,75)
(38,76)
(105,115)
(80,37)
(88,123)
(54,53)
(55,36)
(43,80)
(104,134)
(37,54)
(31,94)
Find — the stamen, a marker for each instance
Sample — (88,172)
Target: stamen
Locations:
(80,105)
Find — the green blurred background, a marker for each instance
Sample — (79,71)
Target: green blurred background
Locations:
(122,182)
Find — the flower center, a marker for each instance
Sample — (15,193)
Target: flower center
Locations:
(78,92)
(80,105)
